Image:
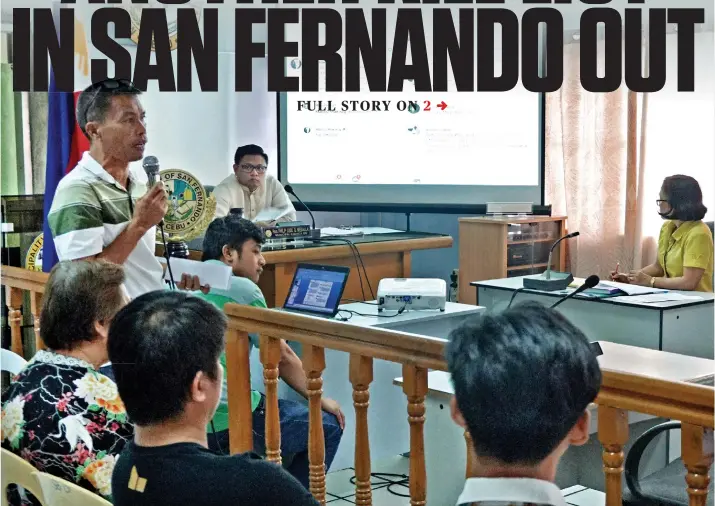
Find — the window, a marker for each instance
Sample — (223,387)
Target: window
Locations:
(680,128)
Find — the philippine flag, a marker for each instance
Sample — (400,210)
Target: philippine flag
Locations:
(65,146)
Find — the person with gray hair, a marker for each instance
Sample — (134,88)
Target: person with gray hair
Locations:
(60,413)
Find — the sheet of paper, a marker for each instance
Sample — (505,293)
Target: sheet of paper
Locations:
(633,289)
(328,231)
(652,298)
(271,214)
(600,286)
(335,232)
(214,275)
(379,230)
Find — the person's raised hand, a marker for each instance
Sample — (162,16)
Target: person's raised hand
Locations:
(151,208)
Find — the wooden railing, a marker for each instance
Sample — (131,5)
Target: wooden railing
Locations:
(16,282)
(692,404)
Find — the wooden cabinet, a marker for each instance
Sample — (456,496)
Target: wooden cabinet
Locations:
(495,247)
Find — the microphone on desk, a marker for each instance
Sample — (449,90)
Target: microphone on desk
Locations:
(590,282)
(551,251)
(315,233)
(551,281)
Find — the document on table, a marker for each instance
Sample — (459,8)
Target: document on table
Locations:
(342,232)
(355,231)
(652,298)
(632,289)
(214,275)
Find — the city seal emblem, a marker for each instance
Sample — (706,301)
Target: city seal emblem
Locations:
(33,259)
(190,208)
(171,13)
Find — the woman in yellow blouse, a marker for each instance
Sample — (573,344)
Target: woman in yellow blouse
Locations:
(685,245)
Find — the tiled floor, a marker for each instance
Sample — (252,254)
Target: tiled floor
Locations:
(341,490)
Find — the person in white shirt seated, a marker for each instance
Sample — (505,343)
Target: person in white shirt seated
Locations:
(523,380)
(251,189)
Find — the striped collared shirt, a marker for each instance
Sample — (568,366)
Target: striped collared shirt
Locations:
(89,210)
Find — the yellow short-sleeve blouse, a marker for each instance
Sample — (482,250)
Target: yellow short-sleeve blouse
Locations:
(690,245)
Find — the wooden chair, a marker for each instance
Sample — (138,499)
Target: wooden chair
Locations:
(17,471)
(60,492)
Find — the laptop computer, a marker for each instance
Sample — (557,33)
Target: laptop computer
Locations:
(316,290)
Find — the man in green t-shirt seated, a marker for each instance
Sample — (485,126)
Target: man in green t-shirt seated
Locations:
(237,242)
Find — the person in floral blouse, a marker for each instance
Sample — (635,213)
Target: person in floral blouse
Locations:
(60,413)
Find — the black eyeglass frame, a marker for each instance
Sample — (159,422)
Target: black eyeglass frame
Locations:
(111,84)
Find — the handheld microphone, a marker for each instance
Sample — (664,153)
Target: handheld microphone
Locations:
(151,167)
(590,282)
(289,189)
(551,251)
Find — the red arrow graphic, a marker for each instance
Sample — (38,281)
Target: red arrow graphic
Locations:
(442,105)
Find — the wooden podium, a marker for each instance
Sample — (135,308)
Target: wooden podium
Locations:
(495,247)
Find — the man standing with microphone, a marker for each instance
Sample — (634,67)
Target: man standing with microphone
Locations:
(100,209)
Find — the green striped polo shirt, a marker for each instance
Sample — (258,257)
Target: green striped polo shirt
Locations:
(89,210)
(242,291)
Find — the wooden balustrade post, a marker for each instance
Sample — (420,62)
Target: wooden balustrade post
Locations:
(14,302)
(361,377)
(238,382)
(471,456)
(270,351)
(35,308)
(314,365)
(613,434)
(697,452)
(415,387)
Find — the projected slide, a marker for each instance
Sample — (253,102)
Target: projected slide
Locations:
(409,138)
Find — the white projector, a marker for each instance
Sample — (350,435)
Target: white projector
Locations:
(411,293)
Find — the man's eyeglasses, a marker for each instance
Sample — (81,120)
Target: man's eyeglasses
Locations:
(248,168)
(109,85)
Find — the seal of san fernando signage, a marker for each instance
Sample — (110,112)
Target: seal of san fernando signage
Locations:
(187,202)
(33,259)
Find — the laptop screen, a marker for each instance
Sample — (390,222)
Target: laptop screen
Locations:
(317,290)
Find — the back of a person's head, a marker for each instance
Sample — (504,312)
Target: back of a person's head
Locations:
(232,231)
(522,379)
(77,295)
(685,197)
(157,345)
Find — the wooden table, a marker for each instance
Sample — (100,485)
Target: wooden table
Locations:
(383,255)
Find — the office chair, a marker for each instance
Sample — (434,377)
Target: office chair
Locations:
(665,487)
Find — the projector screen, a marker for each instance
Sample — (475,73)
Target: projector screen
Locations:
(483,147)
